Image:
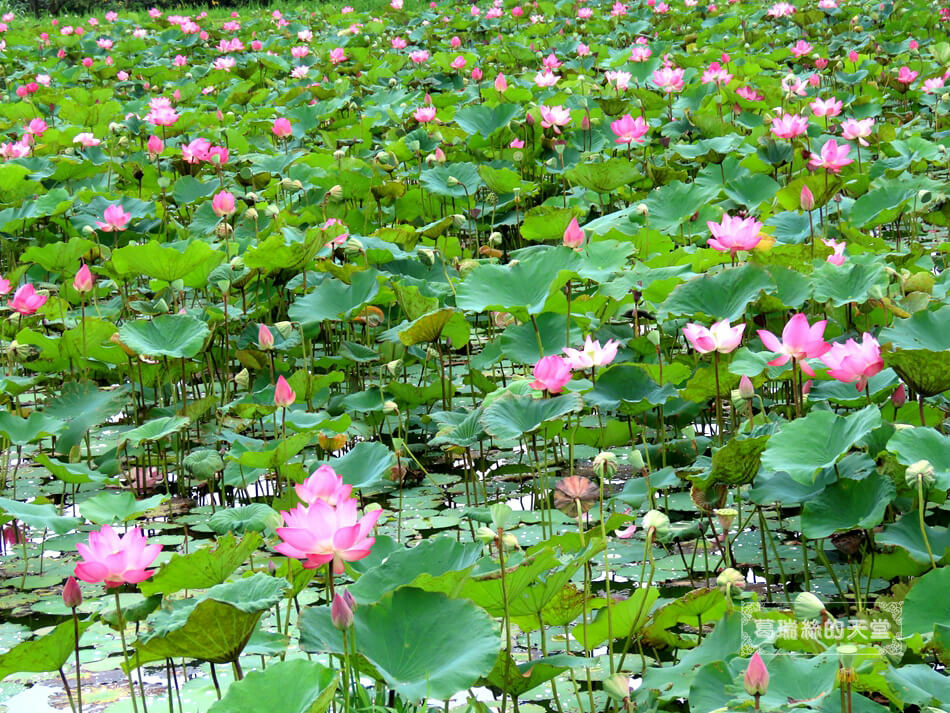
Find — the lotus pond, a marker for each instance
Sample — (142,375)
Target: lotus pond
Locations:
(566,356)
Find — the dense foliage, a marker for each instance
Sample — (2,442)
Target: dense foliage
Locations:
(581,356)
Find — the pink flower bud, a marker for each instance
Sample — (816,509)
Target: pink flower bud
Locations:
(807,199)
(899,397)
(341,614)
(264,337)
(72,596)
(284,396)
(84,280)
(746,389)
(756,677)
(573,235)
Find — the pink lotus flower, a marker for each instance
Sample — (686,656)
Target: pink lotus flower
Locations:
(629,130)
(455,42)
(223,204)
(501,84)
(265,339)
(5,286)
(853,362)
(458,63)
(26,301)
(550,374)
(419,56)
(825,107)
(114,219)
(669,79)
(620,80)
(324,484)
(196,151)
(720,337)
(801,48)
(582,50)
(424,114)
(516,144)
(477,74)
(640,53)
(84,280)
(154,146)
(218,155)
(284,396)
(86,139)
(734,234)
(116,560)
(573,235)
(281,128)
(756,678)
(906,75)
(749,94)
(554,117)
(799,341)
(858,129)
(337,55)
(715,73)
(320,533)
(806,199)
(399,43)
(788,126)
(592,354)
(37,127)
(837,257)
(933,85)
(546,78)
(833,157)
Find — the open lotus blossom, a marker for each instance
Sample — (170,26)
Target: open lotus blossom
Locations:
(116,560)
(196,151)
(854,363)
(715,73)
(86,139)
(321,533)
(906,75)
(832,158)
(324,484)
(933,84)
(629,130)
(547,78)
(592,354)
(669,79)
(26,300)
(801,48)
(5,286)
(337,55)
(788,126)
(799,341)
(640,53)
(550,374)
(619,80)
(825,107)
(858,129)
(720,337)
(114,219)
(424,114)
(154,146)
(554,117)
(837,257)
(749,94)
(733,234)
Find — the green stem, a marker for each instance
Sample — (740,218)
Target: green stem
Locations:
(922,506)
(125,651)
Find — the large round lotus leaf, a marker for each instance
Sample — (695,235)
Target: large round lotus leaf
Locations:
(106,508)
(927,603)
(915,444)
(850,282)
(906,533)
(483,120)
(255,517)
(816,441)
(47,653)
(457,180)
(511,417)
(723,295)
(738,461)
(203,463)
(172,335)
(202,568)
(427,328)
(21,431)
(605,176)
(848,504)
(295,686)
(925,330)
(41,517)
(365,464)
(192,264)
(424,644)
(158,429)
(333,299)
(927,372)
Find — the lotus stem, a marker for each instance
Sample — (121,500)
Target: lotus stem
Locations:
(125,653)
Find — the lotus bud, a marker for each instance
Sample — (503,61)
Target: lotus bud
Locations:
(237,263)
(284,328)
(390,407)
(485,534)
(617,687)
(756,677)
(88,230)
(730,579)
(899,397)
(636,460)
(643,209)
(286,183)
(495,238)
(847,653)
(605,464)
(340,613)
(272,210)
(265,339)
(457,218)
(426,256)
(251,214)
(807,606)
(653,336)
(123,141)
(452,181)
(251,197)
(222,230)
(656,521)
(807,199)
(242,378)
(72,596)
(394,367)
(336,192)
(922,470)
(746,389)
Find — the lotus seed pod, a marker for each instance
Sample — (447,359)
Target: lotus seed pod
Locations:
(922,470)
(605,464)
(242,378)
(807,606)
(617,687)
(485,534)
(251,214)
(656,521)
(730,579)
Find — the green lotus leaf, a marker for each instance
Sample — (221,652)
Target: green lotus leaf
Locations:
(294,686)
(171,335)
